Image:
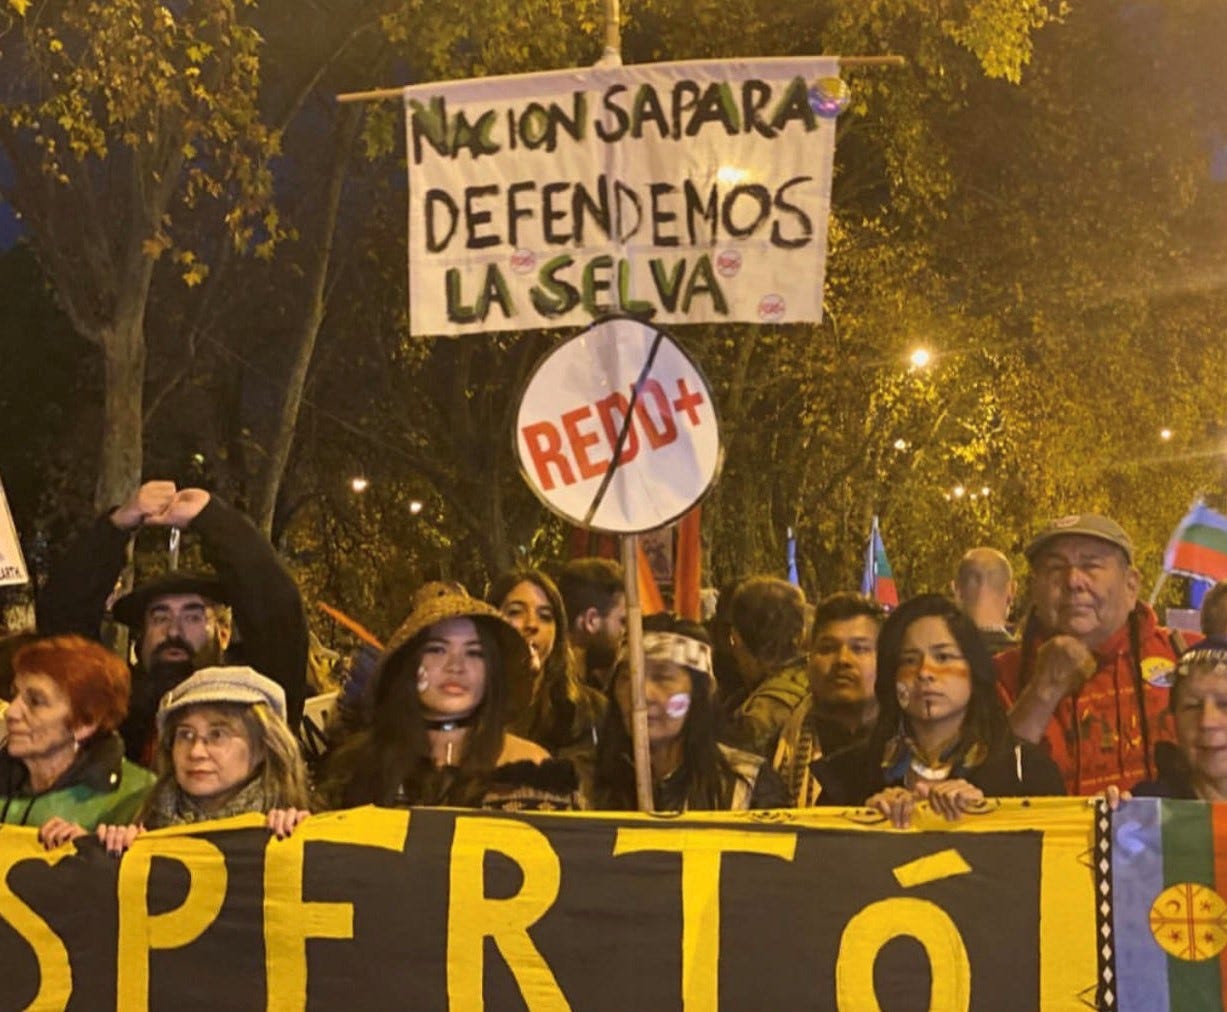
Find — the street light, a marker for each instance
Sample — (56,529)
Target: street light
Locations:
(1165,434)
(415,506)
(359,484)
(920,358)
(959,491)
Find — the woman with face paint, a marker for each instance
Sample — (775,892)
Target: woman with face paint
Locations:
(456,673)
(562,711)
(942,734)
(691,771)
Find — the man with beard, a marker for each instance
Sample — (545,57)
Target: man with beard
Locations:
(181,621)
(841,705)
(594,597)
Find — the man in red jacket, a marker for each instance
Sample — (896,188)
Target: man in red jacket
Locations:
(1091,675)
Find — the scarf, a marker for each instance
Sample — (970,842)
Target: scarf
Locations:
(905,762)
(170,806)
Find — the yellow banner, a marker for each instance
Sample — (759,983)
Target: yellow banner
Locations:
(376,908)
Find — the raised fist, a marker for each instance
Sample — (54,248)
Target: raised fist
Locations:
(182,509)
(1063,665)
(150,500)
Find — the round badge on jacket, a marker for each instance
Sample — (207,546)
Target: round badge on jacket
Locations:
(1158,671)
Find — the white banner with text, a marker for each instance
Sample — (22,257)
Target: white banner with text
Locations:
(692,192)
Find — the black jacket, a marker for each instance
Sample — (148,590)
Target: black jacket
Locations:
(854,775)
(268,609)
(1174,780)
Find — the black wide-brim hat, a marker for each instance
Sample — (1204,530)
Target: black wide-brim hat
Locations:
(130,609)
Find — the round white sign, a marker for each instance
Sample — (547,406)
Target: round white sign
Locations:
(617,430)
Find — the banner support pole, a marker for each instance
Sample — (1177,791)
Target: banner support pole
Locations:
(382,94)
(612,57)
(1154,594)
(634,653)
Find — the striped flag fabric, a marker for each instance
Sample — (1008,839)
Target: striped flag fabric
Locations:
(878,579)
(1198,547)
(1169,912)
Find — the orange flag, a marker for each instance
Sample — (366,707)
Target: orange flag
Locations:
(651,602)
(687,566)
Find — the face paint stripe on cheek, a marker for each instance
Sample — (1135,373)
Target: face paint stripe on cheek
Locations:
(678,705)
(949,669)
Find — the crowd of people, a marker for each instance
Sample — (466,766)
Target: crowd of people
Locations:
(522,699)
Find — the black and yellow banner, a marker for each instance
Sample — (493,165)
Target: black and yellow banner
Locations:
(441,909)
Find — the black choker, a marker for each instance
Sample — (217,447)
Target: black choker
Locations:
(450,723)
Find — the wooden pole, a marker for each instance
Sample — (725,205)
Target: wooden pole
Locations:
(893,60)
(612,57)
(1154,594)
(634,651)
(613,31)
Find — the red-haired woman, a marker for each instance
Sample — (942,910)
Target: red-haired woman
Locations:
(63,765)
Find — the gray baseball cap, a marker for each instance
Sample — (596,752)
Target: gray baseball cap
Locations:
(241,685)
(1089,525)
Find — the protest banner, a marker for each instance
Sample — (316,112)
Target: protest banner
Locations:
(12,562)
(692,192)
(617,429)
(434,909)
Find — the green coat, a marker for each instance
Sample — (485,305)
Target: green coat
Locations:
(760,718)
(101,786)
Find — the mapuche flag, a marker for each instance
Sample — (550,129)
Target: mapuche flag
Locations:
(878,579)
(1169,916)
(1198,547)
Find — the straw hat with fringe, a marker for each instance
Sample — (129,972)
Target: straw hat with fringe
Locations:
(437,602)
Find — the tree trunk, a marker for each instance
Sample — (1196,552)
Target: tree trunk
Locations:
(500,556)
(120,457)
(268,485)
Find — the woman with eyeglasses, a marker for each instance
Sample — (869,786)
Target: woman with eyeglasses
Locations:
(224,749)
